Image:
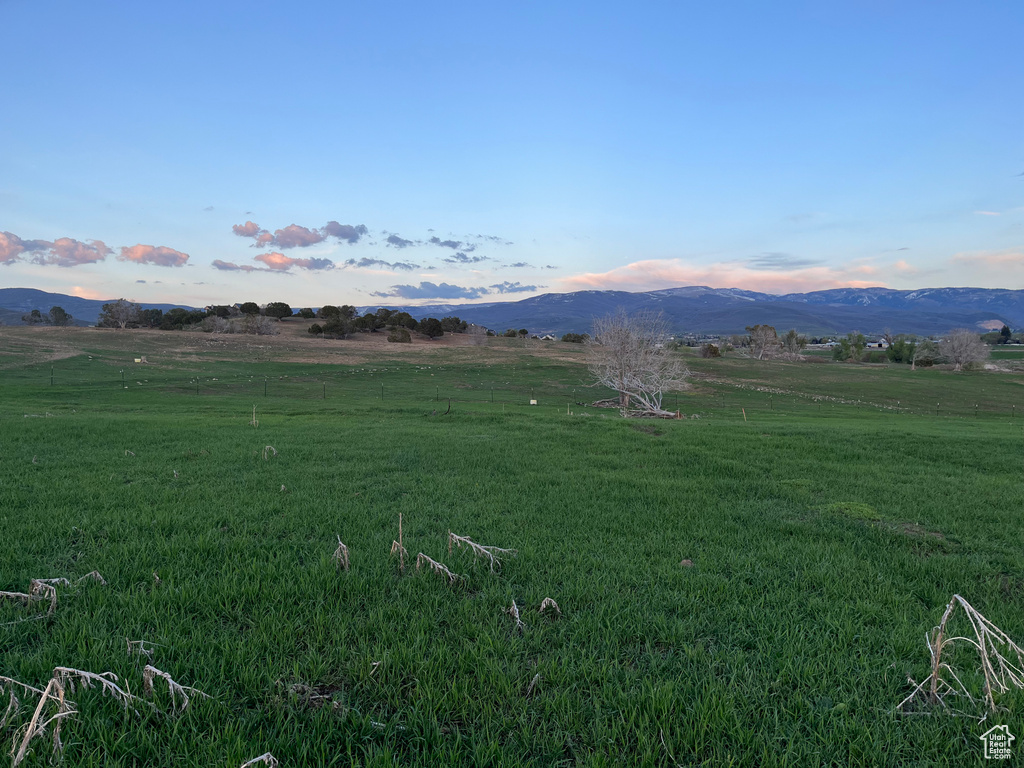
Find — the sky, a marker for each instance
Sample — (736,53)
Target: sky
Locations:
(400,153)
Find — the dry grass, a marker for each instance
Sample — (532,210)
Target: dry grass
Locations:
(254,422)
(269,451)
(998,673)
(491,554)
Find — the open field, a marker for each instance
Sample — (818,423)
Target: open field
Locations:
(828,511)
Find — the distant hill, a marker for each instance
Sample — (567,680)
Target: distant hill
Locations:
(696,309)
(700,309)
(15,302)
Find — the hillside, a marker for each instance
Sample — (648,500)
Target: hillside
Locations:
(695,309)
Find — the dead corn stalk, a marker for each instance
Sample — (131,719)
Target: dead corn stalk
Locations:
(268,452)
(439,568)
(254,423)
(491,554)
(60,685)
(341,556)
(396,547)
(150,673)
(513,611)
(546,603)
(999,674)
(268,759)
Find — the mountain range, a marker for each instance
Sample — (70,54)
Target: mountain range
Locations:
(695,309)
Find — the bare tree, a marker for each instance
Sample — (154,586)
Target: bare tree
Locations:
(627,353)
(763,340)
(963,348)
(793,343)
(120,313)
(926,352)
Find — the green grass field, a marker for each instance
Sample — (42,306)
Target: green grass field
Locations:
(829,512)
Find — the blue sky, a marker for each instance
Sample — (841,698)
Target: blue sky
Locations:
(407,153)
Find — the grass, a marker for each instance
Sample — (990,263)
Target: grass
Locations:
(826,537)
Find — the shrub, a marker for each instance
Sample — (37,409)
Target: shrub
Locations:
(709,350)
(399,336)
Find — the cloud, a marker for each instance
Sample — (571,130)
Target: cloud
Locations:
(494,239)
(550,266)
(230,266)
(775,260)
(208,208)
(68,252)
(86,293)
(294,236)
(140,281)
(278,262)
(159,255)
(427,290)
(461,258)
(370,263)
(344,232)
(999,262)
(987,213)
(516,287)
(655,274)
(12,246)
(518,265)
(398,242)
(249,229)
(455,245)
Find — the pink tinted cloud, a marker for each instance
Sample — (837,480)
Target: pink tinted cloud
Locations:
(249,229)
(294,236)
(87,293)
(68,252)
(11,247)
(153,254)
(664,273)
(281,263)
(1012,258)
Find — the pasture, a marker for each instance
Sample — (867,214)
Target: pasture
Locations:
(751,587)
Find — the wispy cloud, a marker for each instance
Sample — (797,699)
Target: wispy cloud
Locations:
(462,258)
(776,260)
(230,266)
(516,287)
(663,273)
(427,290)
(154,254)
(281,263)
(371,263)
(988,213)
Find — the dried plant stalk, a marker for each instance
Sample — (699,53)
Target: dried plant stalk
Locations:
(269,451)
(513,611)
(138,647)
(341,555)
(546,603)
(94,576)
(268,759)
(129,453)
(491,554)
(150,673)
(402,554)
(439,568)
(46,591)
(533,684)
(255,422)
(38,724)
(999,674)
